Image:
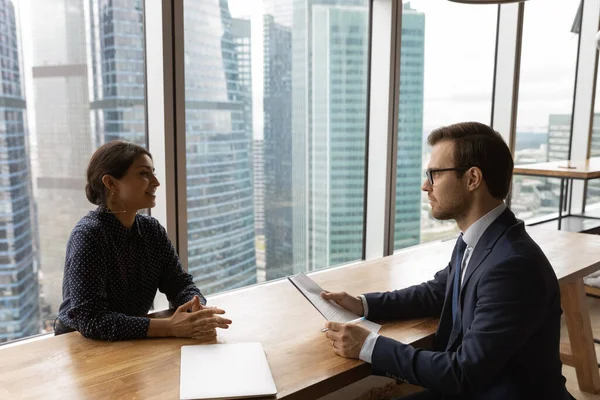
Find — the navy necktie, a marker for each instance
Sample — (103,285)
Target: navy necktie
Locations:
(460,251)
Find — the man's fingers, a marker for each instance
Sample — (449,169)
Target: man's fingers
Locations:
(334,326)
(332,335)
(332,296)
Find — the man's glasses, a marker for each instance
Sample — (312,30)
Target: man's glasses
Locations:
(429,173)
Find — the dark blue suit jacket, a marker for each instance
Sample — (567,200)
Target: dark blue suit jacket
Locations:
(507,345)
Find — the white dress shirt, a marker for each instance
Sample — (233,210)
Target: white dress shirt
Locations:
(471,237)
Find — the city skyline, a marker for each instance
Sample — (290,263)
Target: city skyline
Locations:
(19,262)
(282,87)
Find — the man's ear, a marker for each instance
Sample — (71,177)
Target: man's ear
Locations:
(475,177)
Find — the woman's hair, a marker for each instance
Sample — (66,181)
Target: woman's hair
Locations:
(114,159)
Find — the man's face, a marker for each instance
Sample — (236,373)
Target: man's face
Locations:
(448,195)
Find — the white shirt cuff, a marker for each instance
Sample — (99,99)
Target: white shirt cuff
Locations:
(366,352)
(365,305)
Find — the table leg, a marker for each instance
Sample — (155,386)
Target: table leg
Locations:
(570,196)
(577,317)
(560,202)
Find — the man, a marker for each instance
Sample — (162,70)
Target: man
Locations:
(498,299)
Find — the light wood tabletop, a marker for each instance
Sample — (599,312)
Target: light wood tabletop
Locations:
(277,315)
(583,169)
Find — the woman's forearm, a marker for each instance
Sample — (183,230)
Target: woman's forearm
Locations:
(159,327)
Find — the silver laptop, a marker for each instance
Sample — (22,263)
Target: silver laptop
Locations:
(225,371)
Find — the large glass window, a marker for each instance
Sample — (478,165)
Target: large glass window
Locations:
(276,96)
(446,76)
(548,61)
(72,79)
(593,189)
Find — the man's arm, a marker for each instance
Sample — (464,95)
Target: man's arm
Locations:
(510,308)
(424,300)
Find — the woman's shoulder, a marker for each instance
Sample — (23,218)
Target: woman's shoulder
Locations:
(149,224)
(90,225)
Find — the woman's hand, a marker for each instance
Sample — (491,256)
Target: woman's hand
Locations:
(201,323)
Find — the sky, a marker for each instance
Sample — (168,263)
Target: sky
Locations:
(459,60)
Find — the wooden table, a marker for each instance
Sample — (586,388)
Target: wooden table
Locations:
(567,172)
(276,314)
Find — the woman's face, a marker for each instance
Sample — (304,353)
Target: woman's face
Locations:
(137,189)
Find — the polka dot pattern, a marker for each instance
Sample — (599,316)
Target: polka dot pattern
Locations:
(112,273)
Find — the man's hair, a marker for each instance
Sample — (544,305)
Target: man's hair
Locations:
(478,145)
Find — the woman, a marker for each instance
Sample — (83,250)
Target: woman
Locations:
(117,259)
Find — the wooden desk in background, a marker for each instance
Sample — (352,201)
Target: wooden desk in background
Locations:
(276,314)
(567,172)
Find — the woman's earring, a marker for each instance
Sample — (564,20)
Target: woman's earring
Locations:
(110,209)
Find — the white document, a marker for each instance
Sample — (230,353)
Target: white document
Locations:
(219,371)
(329,309)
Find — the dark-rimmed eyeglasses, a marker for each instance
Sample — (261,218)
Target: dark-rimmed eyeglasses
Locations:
(429,173)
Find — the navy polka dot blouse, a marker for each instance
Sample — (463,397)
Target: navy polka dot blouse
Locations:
(112,273)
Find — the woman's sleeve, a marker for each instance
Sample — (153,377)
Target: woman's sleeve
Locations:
(85,277)
(175,283)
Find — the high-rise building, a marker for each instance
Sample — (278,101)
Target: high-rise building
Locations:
(19,291)
(220,207)
(259,186)
(259,207)
(117,64)
(559,134)
(281,11)
(410,130)
(278,147)
(241,30)
(329,97)
(64,142)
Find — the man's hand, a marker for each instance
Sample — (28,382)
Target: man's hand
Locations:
(350,303)
(347,339)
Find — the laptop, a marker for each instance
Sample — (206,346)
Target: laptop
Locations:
(225,371)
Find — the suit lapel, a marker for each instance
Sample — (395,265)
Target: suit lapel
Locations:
(482,250)
(486,243)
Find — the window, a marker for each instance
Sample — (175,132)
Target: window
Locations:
(548,60)
(593,188)
(443,80)
(68,86)
(275,137)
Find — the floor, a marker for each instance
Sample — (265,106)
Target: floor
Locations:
(376,388)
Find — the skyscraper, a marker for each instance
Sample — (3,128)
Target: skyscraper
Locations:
(241,30)
(19,292)
(278,148)
(281,11)
(118,78)
(410,130)
(329,86)
(63,132)
(559,134)
(258,156)
(220,212)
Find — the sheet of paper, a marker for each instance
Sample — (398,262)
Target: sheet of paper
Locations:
(329,309)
